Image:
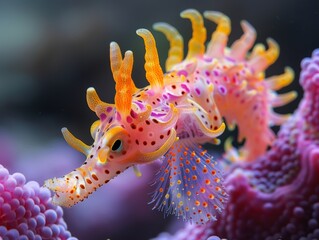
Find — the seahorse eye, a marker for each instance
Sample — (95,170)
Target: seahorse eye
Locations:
(117,146)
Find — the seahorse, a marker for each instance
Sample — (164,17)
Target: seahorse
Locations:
(179,111)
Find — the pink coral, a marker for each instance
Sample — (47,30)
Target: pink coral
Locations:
(276,196)
(26,211)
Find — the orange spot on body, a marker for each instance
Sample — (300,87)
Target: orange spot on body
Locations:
(95,177)
(88,181)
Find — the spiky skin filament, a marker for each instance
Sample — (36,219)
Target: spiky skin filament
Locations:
(176,112)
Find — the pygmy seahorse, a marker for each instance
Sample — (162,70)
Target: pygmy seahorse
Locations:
(178,111)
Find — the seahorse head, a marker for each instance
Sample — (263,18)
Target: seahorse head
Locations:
(127,133)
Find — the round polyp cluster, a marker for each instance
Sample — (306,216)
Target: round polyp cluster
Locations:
(26,211)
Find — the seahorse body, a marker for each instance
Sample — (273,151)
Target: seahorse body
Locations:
(178,111)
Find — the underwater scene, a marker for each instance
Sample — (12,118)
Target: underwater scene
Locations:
(162,120)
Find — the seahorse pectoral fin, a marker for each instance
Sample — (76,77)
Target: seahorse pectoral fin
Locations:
(189,184)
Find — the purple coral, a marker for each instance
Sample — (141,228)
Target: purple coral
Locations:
(26,211)
(276,196)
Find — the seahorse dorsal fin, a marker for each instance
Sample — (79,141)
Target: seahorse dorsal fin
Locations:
(122,70)
(154,72)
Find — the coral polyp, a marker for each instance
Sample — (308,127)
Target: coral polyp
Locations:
(27,211)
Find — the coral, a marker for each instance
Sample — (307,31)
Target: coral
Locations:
(26,211)
(276,196)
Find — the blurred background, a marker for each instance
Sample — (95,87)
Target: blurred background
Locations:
(52,51)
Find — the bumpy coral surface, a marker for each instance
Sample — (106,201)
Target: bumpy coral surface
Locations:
(26,211)
(276,196)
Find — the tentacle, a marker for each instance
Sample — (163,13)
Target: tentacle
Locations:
(278,119)
(154,72)
(280,81)
(264,59)
(125,87)
(93,99)
(219,39)
(176,51)
(196,45)
(115,59)
(259,49)
(142,116)
(75,143)
(94,127)
(240,47)
(283,99)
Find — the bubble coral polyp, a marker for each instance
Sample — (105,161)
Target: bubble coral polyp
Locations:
(26,210)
